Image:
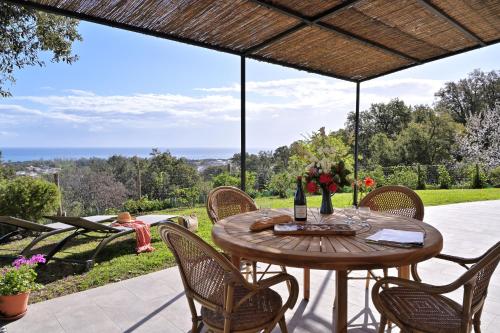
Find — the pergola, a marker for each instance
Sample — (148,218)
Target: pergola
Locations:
(352,40)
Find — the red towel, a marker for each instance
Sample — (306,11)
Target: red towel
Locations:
(142,235)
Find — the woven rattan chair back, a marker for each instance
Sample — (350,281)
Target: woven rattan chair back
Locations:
(202,268)
(225,201)
(485,269)
(395,199)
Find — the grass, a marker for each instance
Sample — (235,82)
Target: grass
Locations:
(119,262)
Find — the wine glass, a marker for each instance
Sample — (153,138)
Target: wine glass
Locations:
(265,209)
(364,214)
(349,213)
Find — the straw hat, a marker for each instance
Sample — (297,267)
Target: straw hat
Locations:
(124,217)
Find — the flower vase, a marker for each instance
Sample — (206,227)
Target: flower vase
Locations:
(326,201)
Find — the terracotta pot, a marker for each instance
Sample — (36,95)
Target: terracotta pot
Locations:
(13,305)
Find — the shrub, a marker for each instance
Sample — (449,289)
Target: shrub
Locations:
(422,176)
(478,177)
(280,184)
(28,198)
(144,205)
(444,178)
(406,177)
(495,176)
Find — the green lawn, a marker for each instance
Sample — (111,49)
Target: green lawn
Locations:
(118,261)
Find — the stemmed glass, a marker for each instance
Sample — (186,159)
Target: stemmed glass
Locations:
(364,214)
(349,213)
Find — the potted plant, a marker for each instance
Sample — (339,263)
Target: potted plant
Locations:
(16,283)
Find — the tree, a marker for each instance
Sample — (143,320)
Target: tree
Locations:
(281,157)
(166,173)
(28,198)
(389,119)
(481,141)
(87,192)
(382,150)
(429,139)
(25,32)
(470,96)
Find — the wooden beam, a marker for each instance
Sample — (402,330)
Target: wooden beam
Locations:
(442,14)
(446,55)
(317,18)
(306,21)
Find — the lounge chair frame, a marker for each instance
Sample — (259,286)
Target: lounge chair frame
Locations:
(43,231)
(85,227)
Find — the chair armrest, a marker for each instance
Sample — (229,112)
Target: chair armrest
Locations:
(459,260)
(428,288)
(274,280)
(269,282)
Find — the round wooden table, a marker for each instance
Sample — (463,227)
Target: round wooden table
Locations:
(339,253)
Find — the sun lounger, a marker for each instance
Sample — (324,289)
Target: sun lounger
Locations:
(42,230)
(105,232)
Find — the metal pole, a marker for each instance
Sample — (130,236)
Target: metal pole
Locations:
(356,144)
(243,152)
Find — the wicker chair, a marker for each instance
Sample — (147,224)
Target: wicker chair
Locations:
(418,307)
(229,303)
(226,201)
(397,200)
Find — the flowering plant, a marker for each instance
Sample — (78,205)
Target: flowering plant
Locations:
(365,185)
(325,169)
(21,277)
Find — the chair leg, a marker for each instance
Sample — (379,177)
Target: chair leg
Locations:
(194,315)
(368,276)
(477,321)
(381,326)
(254,271)
(307,283)
(282,324)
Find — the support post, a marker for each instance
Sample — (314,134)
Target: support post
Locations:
(356,146)
(243,152)
(56,181)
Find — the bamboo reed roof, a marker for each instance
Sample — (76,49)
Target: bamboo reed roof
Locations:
(351,40)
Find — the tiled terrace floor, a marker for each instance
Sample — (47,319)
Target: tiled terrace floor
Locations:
(156,303)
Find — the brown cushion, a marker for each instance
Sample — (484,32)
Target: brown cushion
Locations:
(422,311)
(259,310)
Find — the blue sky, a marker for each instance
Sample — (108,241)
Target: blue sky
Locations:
(132,90)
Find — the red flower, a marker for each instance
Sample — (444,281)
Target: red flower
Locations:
(369,182)
(332,187)
(325,178)
(312,187)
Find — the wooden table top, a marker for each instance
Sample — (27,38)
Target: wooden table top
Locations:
(324,252)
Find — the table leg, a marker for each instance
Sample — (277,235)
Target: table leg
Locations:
(340,311)
(307,283)
(404,272)
(236,261)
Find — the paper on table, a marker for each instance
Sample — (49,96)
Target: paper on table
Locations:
(398,237)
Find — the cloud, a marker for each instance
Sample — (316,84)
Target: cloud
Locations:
(286,99)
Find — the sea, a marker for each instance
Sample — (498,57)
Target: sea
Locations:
(35,154)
